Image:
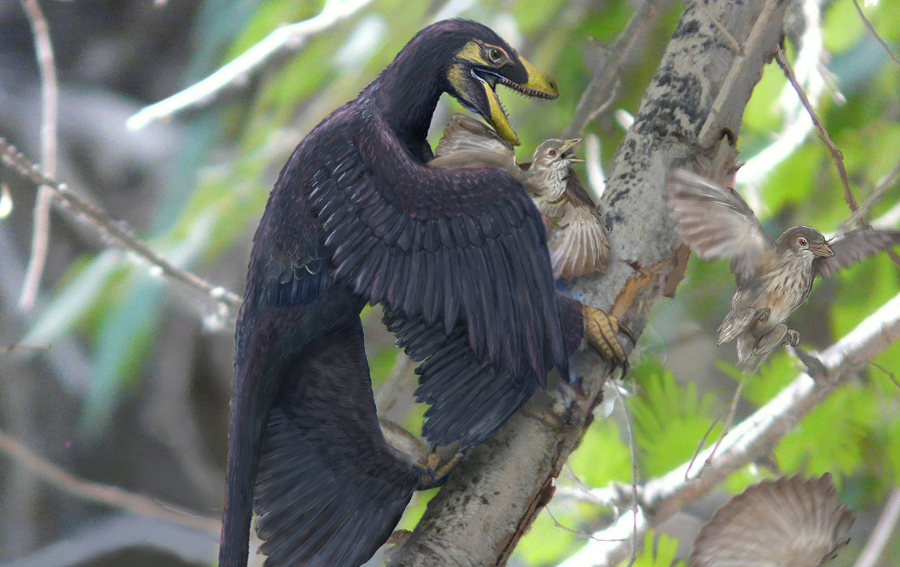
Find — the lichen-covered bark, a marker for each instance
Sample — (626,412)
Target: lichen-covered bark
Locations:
(696,97)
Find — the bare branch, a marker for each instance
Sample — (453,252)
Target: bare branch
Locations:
(40,235)
(99,219)
(886,524)
(758,434)
(873,199)
(103,493)
(599,93)
(874,33)
(287,39)
(836,154)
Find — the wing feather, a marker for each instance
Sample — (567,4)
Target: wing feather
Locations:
(716,223)
(855,246)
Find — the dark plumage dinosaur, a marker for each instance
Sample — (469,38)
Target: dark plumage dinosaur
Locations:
(459,260)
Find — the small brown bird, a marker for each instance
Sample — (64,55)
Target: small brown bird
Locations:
(576,233)
(773,277)
(789,522)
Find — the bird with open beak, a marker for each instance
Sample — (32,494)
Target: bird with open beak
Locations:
(577,235)
(774,277)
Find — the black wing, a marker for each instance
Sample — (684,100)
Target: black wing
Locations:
(447,245)
(716,223)
(855,246)
(329,490)
(470,400)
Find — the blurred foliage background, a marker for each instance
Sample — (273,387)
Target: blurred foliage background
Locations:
(134,387)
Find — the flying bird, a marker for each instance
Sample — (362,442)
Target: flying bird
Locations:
(577,234)
(774,277)
(790,522)
(458,259)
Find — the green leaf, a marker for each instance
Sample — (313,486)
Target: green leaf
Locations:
(602,457)
(666,549)
(669,422)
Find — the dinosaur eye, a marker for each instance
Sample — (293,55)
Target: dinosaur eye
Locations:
(551,153)
(495,54)
(802,242)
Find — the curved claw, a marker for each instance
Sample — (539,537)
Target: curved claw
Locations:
(433,472)
(601,329)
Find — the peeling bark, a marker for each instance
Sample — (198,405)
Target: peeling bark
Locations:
(696,98)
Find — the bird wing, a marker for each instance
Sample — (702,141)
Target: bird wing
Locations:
(716,223)
(469,399)
(791,521)
(464,134)
(855,246)
(329,490)
(582,246)
(451,245)
(470,159)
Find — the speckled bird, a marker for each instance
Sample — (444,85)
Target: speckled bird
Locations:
(774,277)
(789,522)
(457,258)
(577,234)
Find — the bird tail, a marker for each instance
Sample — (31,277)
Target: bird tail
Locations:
(243,456)
(329,490)
(735,323)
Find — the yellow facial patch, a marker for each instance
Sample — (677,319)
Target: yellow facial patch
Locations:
(472,53)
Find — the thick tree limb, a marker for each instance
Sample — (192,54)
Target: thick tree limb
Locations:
(491,500)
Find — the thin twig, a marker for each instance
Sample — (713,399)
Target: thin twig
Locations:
(836,154)
(873,199)
(634,471)
(40,235)
(757,36)
(886,524)
(103,493)
(287,39)
(759,433)
(99,219)
(598,93)
(889,374)
(874,33)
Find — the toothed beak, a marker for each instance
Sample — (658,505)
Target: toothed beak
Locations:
(538,85)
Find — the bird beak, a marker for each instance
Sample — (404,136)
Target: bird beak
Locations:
(568,145)
(821,250)
(539,84)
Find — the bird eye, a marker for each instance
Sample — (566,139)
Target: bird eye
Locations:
(551,153)
(495,54)
(802,242)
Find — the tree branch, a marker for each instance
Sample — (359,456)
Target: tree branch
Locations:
(103,493)
(598,94)
(757,435)
(836,154)
(40,235)
(287,39)
(874,33)
(101,221)
(492,499)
